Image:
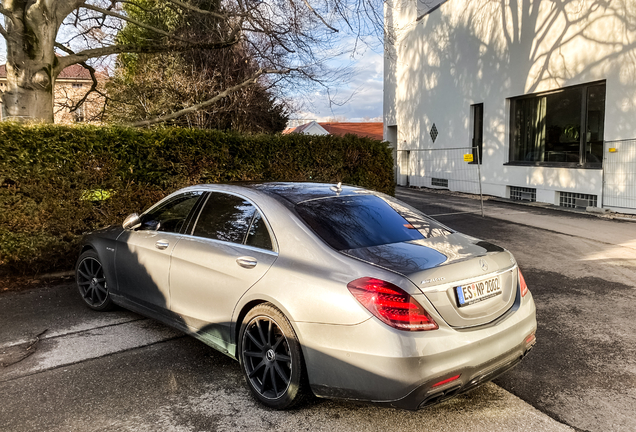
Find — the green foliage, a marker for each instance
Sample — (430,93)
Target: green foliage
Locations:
(47,172)
(150,85)
(156,14)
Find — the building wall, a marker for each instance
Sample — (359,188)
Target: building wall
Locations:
(467,52)
(67,93)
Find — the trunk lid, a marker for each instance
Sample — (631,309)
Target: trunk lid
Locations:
(484,273)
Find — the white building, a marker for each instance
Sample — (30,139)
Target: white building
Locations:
(545,88)
(311,128)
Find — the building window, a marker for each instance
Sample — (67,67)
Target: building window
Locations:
(546,127)
(477,141)
(79,114)
(577,200)
(439,182)
(523,194)
(77,85)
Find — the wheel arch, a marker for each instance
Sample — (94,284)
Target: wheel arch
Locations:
(251,304)
(87,247)
(239,321)
(99,247)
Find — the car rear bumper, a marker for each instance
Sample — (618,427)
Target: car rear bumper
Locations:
(372,362)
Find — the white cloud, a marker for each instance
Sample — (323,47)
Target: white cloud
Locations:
(359,98)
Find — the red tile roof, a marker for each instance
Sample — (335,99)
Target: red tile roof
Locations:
(71,72)
(366,129)
(75,71)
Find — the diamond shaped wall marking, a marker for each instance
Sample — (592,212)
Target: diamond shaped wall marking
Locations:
(434,132)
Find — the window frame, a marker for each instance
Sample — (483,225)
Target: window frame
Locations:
(199,210)
(167,200)
(583,116)
(478,152)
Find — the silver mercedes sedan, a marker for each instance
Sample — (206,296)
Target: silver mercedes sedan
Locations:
(320,289)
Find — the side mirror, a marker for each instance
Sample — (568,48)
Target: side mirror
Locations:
(132,221)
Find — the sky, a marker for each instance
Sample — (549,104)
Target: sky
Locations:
(362,96)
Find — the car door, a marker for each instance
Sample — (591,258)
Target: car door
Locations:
(229,250)
(142,256)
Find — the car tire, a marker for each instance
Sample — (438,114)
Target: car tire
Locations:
(271,358)
(91,282)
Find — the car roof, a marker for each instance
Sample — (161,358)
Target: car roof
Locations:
(289,193)
(298,192)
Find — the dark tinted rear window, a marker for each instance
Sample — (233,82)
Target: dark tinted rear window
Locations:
(353,222)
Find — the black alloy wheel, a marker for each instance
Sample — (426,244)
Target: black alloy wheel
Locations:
(271,358)
(91,282)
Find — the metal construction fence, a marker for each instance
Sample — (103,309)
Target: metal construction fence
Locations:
(619,174)
(445,168)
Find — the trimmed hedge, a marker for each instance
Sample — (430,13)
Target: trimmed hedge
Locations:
(50,177)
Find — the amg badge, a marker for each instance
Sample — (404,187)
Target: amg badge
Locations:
(425,281)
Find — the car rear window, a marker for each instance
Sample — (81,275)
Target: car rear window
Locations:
(351,222)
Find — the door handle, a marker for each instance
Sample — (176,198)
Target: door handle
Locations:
(247,262)
(162,244)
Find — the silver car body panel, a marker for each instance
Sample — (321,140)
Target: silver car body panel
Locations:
(393,364)
(138,250)
(204,306)
(440,264)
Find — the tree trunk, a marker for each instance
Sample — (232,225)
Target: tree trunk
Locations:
(32,29)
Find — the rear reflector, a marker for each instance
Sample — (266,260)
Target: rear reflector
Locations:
(530,339)
(522,285)
(446,381)
(391,304)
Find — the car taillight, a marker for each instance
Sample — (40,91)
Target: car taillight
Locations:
(391,304)
(522,285)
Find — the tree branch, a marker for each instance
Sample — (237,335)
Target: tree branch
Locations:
(319,17)
(6,12)
(82,56)
(3,32)
(90,69)
(132,21)
(252,80)
(196,9)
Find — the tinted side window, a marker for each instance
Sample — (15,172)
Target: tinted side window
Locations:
(225,217)
(170,216)
(258,235)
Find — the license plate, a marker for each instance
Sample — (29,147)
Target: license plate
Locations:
(478,291)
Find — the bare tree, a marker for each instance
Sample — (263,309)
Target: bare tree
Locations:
(289,38)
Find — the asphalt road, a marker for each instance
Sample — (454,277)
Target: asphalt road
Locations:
(66,368)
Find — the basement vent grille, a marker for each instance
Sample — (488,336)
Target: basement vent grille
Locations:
(577,200)
(439,182)
(523,194)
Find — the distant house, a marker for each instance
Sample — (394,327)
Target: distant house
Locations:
(363,129)
(544,92)
(70,86)
(311,128)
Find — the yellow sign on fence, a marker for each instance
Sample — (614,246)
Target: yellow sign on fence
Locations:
(468,157)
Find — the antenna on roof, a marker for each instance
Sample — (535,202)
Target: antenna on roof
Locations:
(337,188)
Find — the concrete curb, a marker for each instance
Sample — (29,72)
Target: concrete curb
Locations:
(593,211)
